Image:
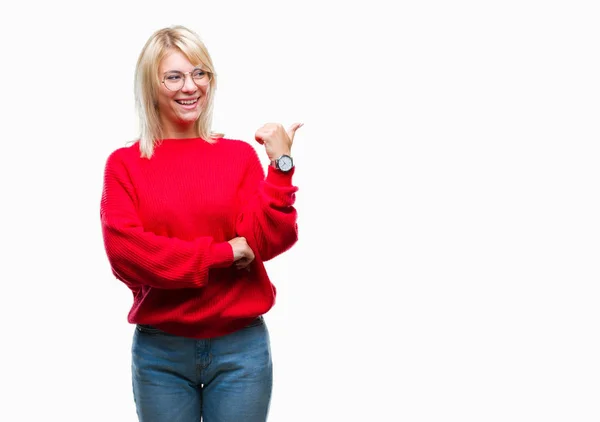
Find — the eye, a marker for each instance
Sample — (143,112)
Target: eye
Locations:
(173,77)
(198,74)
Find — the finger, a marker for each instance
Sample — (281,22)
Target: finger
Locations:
(261,134)
(242,262)
(293,128)
(246,267)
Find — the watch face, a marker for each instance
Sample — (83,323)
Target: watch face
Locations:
(285,163)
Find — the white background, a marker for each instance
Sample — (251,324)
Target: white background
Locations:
(447,267)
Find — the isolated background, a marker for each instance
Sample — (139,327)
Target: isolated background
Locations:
(447,267)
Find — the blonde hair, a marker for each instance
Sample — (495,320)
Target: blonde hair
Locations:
(158,46)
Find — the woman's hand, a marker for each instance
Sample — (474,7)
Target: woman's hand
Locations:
(276,139)
(242,254)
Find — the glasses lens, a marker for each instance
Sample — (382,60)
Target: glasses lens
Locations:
(174,81)
(201,77)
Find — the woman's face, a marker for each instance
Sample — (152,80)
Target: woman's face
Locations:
(180,105)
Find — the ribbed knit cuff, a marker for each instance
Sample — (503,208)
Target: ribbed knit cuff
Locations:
(220,255)
(279,178)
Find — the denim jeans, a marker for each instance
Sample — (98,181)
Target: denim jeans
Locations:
(222,379)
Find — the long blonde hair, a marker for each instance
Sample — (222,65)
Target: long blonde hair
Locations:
(161,43)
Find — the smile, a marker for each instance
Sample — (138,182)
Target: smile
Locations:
(187,102)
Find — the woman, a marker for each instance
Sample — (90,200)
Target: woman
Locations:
(188,218)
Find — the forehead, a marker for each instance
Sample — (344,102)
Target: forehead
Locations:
(175,60)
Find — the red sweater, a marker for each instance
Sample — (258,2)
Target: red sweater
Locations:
(166,222)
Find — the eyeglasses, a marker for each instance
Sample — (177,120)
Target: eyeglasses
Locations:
(175,80)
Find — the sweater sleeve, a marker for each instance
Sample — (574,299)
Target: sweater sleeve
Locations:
(139,257)
(268,215)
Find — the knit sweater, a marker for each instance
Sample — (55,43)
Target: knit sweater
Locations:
(166,222)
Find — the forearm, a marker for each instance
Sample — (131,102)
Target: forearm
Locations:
(270,218)
(142,258)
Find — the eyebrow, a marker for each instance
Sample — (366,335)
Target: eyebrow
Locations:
(179,71)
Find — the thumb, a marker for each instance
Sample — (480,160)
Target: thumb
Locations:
(293,128)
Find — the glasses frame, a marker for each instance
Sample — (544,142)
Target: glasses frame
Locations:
(185,74)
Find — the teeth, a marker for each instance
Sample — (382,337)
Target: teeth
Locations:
(188,102)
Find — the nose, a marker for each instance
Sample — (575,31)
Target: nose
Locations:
(188,84)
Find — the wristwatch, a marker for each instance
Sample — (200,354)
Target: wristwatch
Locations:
(283,163)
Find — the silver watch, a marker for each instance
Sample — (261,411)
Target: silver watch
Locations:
(283,163)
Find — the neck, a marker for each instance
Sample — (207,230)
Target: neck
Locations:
(173,130)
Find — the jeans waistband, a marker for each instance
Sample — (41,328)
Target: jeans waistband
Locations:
(151,328)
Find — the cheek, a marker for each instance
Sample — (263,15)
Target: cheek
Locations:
(204,95)
(164,98)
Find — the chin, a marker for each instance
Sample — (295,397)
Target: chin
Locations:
(189,118)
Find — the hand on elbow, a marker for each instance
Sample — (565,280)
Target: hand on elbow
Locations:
(242,253)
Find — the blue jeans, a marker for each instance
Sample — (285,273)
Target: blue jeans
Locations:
(223,379)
